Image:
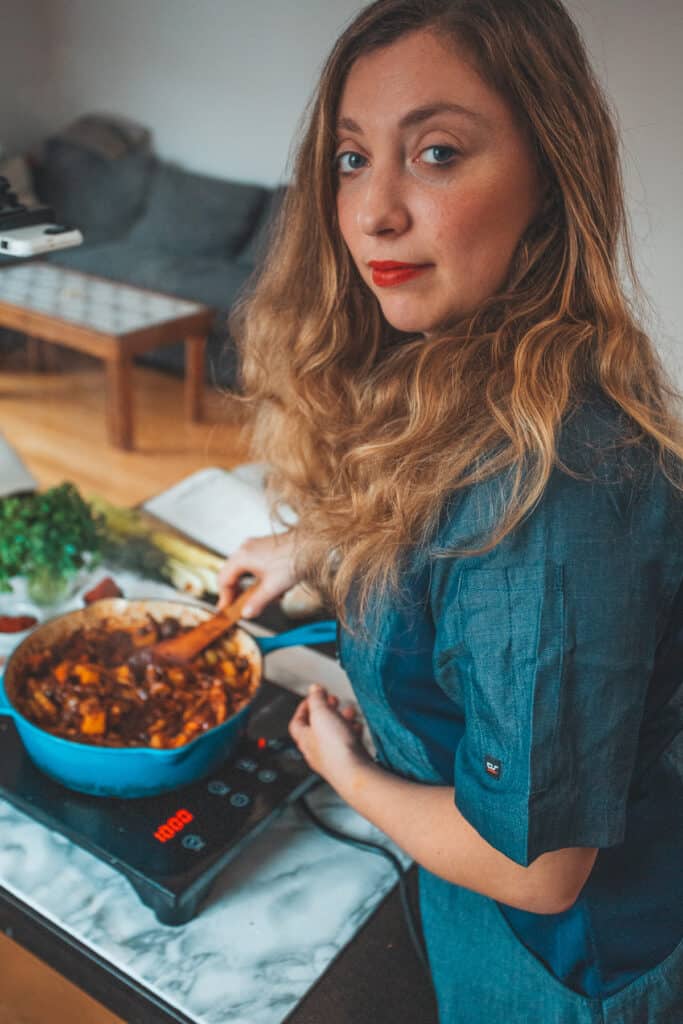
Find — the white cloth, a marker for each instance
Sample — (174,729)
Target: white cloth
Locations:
(14,476)
(219,508)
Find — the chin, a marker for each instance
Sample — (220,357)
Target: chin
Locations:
(414,316)
(410,323)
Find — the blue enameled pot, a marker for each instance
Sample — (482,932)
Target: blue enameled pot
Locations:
(137,771)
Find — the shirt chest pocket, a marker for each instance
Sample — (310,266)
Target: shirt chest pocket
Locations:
(510,623)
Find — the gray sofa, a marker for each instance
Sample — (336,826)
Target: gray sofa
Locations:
(155,224)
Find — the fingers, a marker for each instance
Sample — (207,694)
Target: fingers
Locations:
(270,559)
(350,715)
(229,576)
(229,587)
(299,720)
(261,596)
(319,697)
(310,713)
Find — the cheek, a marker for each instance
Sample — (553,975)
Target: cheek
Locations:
(479,229)
(463,218)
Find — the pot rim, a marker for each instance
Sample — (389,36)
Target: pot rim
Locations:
(166,753)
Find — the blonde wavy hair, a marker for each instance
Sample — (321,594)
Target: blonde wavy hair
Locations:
(369,431)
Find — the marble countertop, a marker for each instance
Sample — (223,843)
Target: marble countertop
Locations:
(275,920)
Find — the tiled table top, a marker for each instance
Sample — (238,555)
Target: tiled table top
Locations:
(105,306)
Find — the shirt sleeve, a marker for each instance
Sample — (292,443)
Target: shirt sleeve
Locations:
(549,643)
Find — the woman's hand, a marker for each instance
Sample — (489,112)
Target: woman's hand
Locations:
(270,559)
(328,737)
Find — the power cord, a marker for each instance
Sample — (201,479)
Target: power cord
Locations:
(376,848)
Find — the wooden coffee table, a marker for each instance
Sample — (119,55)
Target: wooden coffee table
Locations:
(111,321)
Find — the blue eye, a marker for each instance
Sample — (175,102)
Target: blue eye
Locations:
(441,155)
(348,162)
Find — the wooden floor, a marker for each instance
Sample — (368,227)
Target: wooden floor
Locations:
(32,993)
(56,421)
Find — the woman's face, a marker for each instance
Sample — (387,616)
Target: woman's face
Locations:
(432,200)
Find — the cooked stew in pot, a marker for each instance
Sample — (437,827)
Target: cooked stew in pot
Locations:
(92,688)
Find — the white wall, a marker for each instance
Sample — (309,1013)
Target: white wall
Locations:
(223,83)
(636,48)
(22,85)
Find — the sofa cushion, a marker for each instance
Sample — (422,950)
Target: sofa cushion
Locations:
(192,213)
(114,260)
(215,282)
(101,197)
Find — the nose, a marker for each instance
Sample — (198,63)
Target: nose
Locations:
(383,209)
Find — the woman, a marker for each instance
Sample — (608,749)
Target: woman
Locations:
(479,442)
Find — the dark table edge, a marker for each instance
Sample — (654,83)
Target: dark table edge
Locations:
(92,973)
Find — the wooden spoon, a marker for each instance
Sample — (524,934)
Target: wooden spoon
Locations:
(183,648)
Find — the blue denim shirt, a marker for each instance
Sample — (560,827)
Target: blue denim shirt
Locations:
(543,681)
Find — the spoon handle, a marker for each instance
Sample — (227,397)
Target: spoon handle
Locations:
(188,645)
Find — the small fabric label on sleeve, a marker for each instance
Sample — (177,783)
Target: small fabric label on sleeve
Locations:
(493,766)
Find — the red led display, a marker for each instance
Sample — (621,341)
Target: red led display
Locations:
(176,823)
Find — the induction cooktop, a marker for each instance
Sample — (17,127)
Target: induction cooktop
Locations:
(172,847)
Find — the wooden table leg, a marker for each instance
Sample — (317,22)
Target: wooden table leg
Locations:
(51,358)
(195,348)
(120,401)
(41,356)
(34,354)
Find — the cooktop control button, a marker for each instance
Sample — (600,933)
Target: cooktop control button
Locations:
(193,842)
(218,788)
(239,800)
(266,775)
(293,754)
(245,764)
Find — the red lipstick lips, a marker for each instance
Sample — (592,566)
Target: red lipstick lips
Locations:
(386,273)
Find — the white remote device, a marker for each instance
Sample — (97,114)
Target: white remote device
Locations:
(38,238)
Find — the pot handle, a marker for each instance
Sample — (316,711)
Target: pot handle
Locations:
(5,706)
(315,633)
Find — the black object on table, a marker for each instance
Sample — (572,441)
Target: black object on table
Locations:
(375,979)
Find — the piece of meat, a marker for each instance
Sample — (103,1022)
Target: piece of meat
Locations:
(105,588)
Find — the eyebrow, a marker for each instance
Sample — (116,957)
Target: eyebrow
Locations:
(417,116)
